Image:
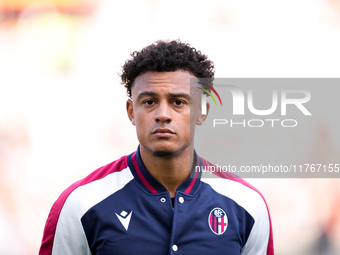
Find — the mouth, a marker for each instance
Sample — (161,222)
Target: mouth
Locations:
(163,132)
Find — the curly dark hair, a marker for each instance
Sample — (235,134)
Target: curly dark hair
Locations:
(166,56)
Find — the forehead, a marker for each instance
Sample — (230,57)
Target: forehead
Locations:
(175,82)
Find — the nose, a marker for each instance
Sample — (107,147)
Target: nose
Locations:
(163,113)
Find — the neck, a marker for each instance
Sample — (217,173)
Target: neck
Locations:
(171,172)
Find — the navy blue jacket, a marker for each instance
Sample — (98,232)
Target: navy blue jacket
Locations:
(120,209)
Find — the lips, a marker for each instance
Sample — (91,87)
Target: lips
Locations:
(163,133)
(163,130)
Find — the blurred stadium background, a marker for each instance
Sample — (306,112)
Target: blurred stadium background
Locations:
(62,108)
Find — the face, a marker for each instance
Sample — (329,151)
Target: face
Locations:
(160,110)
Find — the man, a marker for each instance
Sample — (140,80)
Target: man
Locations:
(146,202)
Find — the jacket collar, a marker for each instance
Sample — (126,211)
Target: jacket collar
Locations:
(152,186)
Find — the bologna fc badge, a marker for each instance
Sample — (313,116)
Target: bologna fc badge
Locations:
(218,221)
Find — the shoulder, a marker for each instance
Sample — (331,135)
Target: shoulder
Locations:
(240,191)
(234,187)
(71,205)
(248,197)
(99,177)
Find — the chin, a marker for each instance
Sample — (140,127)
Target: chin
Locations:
(166,150)
(164,153)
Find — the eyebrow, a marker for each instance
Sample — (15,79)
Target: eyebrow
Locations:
(153,94)
(146,93)
(184,95)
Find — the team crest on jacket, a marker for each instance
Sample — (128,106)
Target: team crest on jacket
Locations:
(218,221)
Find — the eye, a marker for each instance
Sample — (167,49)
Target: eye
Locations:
(149,102)
(179,102)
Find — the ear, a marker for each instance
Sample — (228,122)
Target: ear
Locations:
(201,118)
(129,109)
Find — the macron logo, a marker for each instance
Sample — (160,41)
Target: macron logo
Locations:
(124,218)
